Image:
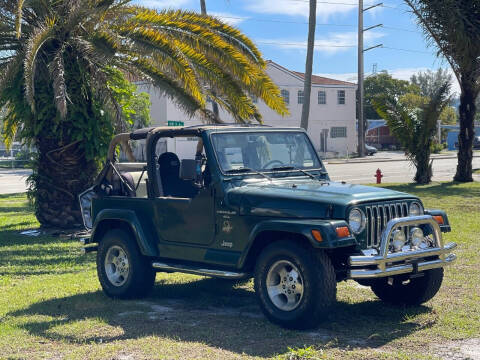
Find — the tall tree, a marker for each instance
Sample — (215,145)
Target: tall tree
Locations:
(454,26)
(382,83)
(412,118)
(429,81)
(55,65)
(307,81)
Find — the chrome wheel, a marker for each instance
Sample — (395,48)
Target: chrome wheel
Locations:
(116,265)
(285,285)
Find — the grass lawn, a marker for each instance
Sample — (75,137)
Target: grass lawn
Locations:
(51,304)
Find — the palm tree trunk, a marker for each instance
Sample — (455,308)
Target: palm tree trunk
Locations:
(203,8)
(423,174)
(57,183)
(307,86)
(467,111)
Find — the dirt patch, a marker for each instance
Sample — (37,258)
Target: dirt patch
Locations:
(458,350)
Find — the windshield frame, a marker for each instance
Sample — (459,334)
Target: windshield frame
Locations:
(268,171)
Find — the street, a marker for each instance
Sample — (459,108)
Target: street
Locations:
(13,180)
(393,165)
(394,168)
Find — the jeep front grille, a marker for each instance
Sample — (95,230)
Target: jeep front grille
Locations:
(378,215)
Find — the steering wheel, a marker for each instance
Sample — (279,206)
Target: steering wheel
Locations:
(271,162)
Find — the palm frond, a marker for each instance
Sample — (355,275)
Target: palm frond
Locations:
(40,36)
(8,72)
(18,18)
(57,72)
(169,87)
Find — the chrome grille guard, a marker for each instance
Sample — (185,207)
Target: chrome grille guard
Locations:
(412,261)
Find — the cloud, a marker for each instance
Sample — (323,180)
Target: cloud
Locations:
(301,8)
(164,4)
(331,44)
(229,18)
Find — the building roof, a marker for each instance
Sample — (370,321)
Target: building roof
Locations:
(316,80)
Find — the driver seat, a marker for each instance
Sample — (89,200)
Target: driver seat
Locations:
(169,173)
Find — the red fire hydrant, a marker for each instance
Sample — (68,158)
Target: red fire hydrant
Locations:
(378,175)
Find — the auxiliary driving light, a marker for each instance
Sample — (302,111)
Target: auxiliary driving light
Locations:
(416,237)
(398,240)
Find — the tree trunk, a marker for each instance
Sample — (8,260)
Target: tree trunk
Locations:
(423,165)
(61,174)
(467,111)
(307,83)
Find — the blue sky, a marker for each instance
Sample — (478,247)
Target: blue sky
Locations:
(279,28)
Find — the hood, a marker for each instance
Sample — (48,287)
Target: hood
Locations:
(304,197)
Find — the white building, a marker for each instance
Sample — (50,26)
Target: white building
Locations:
(332,109)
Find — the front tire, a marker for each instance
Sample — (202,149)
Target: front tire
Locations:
(415,291)
(122,270)
(295,287)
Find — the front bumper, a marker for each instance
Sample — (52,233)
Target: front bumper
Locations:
(412,261)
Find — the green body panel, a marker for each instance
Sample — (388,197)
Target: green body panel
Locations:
(131,211)
(221,224)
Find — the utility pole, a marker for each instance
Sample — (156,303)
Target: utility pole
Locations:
(361,95)
(203,9)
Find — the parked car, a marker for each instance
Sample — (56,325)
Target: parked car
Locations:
(476,143)
(258,202)
(370,150)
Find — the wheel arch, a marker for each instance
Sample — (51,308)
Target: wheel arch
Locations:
(299,231)
(265,238)
(126,220)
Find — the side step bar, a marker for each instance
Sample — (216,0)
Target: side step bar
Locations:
(199,271)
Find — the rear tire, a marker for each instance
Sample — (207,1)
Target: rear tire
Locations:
(122,270)
(295,287)
(415,292)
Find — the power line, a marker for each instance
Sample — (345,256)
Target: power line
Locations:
(337,46)
(304,22)
(301,44)
(281,21)
(407,50)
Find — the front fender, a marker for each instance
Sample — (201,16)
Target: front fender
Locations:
(445,227)
(304,227)
(145,241)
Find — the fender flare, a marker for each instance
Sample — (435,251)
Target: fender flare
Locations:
(146,243)
(304,228)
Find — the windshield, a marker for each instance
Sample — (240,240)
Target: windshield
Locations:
(264,151)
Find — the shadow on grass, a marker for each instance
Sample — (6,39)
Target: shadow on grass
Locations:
(211,312)
(23,255)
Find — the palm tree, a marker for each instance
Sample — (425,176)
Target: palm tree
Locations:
(56,57)
(454,26)
(413,120)
(307,85)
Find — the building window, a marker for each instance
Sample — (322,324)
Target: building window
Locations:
(286,96)
(338,132)
(341,97)
(300,96)
(322,97)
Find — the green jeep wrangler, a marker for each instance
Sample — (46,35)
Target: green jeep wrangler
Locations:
(254,201)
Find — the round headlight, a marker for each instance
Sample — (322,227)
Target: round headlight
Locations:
(356,220)
(416,237)
(415,209)
(398,240)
